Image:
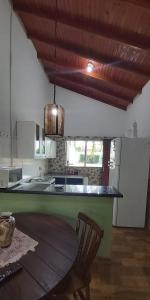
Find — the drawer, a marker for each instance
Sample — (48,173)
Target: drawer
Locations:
(73,181)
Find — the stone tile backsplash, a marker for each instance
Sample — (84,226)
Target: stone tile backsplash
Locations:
(58,164)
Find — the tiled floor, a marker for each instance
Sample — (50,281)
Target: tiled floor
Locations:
(127,275)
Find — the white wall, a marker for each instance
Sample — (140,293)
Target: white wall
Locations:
(87,117)
(30,86)
(139,111)
(30,89)
(4,78)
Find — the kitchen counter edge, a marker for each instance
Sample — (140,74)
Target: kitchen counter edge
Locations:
(103,191)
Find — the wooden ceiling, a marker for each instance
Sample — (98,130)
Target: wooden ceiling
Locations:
(113,34)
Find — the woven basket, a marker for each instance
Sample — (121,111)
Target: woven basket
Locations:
(7,226)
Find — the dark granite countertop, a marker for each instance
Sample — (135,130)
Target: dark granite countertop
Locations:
(71,190)
(68,175)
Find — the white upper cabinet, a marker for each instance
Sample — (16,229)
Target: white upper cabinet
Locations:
(31,142)
(50,148)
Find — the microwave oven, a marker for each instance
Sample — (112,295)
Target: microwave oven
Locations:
(9,176)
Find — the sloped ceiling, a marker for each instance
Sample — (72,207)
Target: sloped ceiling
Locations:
(113,34)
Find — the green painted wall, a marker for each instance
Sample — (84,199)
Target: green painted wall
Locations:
(100,209)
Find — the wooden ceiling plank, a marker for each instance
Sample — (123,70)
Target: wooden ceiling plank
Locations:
(127,92)
(62,68)
(93,74)
(145,4)
(89,54)
(134,87)
(105,30)
(86,91)
(82,82)
(86,84)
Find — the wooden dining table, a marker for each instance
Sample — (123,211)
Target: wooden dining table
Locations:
(47,267)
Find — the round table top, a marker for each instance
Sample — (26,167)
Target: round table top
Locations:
(53,258)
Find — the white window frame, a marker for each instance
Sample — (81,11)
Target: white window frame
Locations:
(84,165)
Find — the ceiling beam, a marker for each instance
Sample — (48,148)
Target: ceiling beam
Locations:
(139,3)
(60,68)
(105,30)
(88,91)
(90,54)
(127,93)
(110,77)
(86,83)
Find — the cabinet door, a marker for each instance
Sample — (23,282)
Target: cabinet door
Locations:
(53,149)
(43,142)
(26,139)
(59,180)
(37,141)
(75,181)
(50,148)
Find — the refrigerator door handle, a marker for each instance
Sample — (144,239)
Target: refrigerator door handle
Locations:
(111,164)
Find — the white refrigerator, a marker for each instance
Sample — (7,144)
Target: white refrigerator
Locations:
(129,172)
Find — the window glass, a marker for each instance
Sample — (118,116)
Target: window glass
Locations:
(76,153)
(85,153)
(94,154)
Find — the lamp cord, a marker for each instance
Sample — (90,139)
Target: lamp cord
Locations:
(10,87)
(55,33)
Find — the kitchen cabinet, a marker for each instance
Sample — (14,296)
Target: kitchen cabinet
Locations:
(98,207)
(43,148)
(74,180)
(32,143)
(50,148)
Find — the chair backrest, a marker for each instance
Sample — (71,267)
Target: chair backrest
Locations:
(90,235)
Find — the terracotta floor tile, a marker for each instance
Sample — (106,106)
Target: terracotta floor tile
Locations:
(127,275)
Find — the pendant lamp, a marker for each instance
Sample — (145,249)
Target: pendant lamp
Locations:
(53,113)
(54,118)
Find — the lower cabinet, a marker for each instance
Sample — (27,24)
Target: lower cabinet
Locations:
(69,180)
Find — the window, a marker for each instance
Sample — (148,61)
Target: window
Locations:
(85,153)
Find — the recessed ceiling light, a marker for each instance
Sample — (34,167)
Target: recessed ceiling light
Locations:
(89,67)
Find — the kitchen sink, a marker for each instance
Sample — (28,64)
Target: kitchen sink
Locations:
(44,179)
(37,187)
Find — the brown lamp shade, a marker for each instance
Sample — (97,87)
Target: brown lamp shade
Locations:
(53,122)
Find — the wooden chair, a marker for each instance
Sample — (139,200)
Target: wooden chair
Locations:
(77,285)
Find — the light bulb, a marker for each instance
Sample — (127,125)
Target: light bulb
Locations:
(89,67)
(54,111)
